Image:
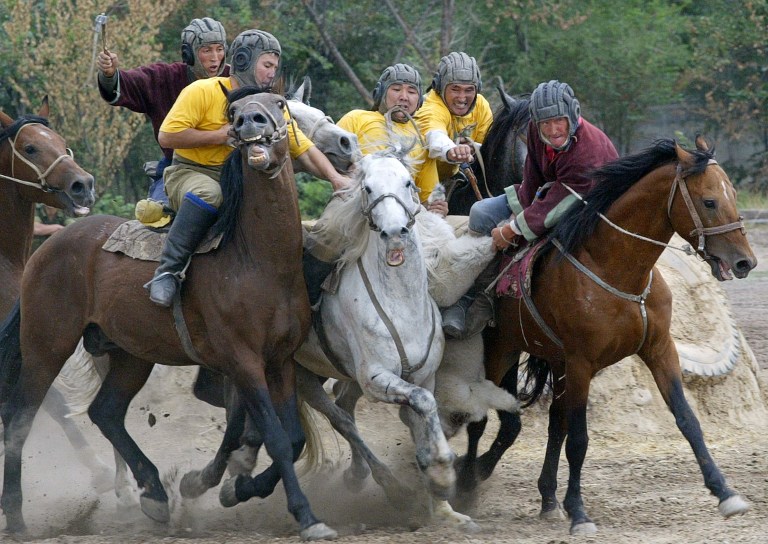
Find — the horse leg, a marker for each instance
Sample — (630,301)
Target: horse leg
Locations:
(277,422)
(126,376)
(509,428)
(197,482)
(347,395)
(466,466)
(666,373)
(343,422)
(556,433)
(56,406)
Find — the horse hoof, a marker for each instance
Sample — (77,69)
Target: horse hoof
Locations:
(15,527)
(352,482)
(192,486)
(154,509)
(556,514)
(470,528)
(733,506)
(103,480)
(318,531)
(584,529)
(228,494)
(242,461)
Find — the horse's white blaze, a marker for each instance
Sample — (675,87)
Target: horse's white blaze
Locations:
(724,184)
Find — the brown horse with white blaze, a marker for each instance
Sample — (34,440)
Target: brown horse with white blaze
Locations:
(244,304)
(596,299)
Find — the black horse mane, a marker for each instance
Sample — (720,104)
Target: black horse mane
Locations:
(11,130)
(505,120)
(231,180)
(612,180)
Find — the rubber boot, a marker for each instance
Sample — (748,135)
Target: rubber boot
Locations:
(315,272)
(194,218)
(455,316)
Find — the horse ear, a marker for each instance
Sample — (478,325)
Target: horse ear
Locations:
(701,143)
(224,89)
(685,158)
(307,85)
(44,109)
(5,121)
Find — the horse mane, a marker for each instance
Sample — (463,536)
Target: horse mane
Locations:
(231,180)
(11,130)
(507,118)
(612,180)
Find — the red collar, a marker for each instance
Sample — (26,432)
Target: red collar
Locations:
(550,151)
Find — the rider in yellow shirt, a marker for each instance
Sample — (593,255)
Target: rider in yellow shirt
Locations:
(197,129)
(454,117)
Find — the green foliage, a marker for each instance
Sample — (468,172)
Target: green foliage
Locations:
(314,194)
(112,204)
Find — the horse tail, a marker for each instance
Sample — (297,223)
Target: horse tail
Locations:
(535,375)
(313,454)
(10,351)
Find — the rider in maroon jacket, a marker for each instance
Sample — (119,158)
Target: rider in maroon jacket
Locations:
(563,148)
(153,89)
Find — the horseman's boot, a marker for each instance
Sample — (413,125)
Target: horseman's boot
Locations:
(194,218)
(475,309)
(315,272)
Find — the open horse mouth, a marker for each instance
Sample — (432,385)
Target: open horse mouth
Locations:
(720,269)
(258,156)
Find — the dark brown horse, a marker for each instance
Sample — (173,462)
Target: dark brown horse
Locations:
(245,307)
(596,299)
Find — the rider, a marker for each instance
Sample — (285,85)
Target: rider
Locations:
(398,91)
(153,89)
(453,118)
(563,148)
(197,129)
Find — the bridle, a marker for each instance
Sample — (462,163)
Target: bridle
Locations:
(700,230)
(367,207)
(261,138)
(42,177)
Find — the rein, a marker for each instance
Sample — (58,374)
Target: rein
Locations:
(41,176)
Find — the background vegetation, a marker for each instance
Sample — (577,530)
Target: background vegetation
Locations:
(625,60)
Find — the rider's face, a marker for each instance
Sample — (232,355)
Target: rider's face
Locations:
(211,57)
(555,131)
(265,69)
(459,98)
(403,95)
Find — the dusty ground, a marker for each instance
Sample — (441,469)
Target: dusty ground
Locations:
(638,486)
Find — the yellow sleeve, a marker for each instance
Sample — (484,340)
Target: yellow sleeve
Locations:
(298,142)
(484,118)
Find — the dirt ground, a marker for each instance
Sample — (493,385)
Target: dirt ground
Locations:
(640,480)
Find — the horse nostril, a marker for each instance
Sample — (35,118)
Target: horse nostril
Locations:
(744,265)
(345,144)
(404,231)
(78,188)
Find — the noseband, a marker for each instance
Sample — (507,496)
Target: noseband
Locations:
(264,139)
(367,208)
(41,176)
(700,230)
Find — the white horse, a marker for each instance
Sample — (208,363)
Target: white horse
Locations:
(381,329)
(341,147)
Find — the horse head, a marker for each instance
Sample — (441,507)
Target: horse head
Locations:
(341,147)
(389,201)
(38,160)
(257,124)
(705,213)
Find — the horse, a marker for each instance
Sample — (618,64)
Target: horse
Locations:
(100,293)
(595,298)
(37,167)
(341,147)
(371,345)
(502,156)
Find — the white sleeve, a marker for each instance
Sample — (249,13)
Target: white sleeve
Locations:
(439,144)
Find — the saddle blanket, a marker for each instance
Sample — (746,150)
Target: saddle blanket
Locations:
(516,271)
(138,241)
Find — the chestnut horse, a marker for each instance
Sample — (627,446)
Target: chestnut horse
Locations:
(245,307)
(596,298)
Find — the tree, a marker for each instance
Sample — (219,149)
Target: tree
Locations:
(46,43)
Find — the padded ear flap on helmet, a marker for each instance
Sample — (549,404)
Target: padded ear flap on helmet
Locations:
(437,84)
(377,95)
(187,54)
(241,58)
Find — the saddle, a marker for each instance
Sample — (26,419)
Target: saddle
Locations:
(138,241)
(516,270)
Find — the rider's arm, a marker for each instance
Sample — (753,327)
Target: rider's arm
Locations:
(317,164)
(191,137)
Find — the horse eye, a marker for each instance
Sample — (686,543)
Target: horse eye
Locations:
(709,203)
(30,149)
(367,189)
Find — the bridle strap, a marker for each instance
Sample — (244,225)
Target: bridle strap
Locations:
(368,208)
(41,176)
(699,229)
